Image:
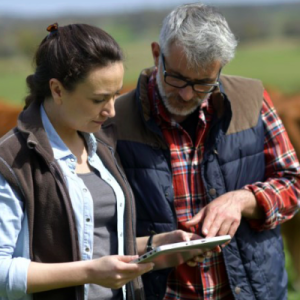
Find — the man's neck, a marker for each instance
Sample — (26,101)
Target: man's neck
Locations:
(178,119)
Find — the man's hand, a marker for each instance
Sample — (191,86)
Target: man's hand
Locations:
(223,215)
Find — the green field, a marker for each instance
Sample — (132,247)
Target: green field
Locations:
(13,74)
(276,63)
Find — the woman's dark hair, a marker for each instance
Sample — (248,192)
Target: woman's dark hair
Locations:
(68,54)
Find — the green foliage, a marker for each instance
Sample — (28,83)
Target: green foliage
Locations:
(20,36)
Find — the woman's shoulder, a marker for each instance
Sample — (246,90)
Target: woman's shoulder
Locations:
(10,140)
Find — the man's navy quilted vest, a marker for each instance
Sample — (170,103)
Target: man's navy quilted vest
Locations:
(254,260)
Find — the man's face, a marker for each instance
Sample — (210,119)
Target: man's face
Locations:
(183,101)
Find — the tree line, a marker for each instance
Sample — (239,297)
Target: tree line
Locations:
(20,36)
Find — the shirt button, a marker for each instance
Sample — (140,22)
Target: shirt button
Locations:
(237,290)
(166,194)
(84,189)
(121,204)
(87,249)
(212,192)
(72,159)
(121,234)
(88,219)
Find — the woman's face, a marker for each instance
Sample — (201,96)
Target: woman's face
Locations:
(92,102)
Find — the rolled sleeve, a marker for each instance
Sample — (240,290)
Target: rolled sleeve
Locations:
(13,277)
(279,195)
(14,256)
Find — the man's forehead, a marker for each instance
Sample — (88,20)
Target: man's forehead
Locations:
(177,62)
(181,68)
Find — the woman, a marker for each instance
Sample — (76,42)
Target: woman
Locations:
(67,213)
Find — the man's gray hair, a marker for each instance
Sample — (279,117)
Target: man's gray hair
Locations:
(203,33)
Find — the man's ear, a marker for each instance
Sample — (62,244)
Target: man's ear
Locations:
(155,52)
(57,90)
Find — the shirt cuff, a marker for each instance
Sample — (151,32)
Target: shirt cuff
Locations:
(268,221)
(17,278)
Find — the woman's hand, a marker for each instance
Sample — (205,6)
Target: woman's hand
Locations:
(110,271)
(115,271)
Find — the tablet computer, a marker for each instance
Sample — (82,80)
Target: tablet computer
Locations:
(172,255)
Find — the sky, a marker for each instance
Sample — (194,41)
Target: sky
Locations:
(37,8)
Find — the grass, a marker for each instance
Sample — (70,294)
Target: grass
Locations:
(13,73)
(276,63)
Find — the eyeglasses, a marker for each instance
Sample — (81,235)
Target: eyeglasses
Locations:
(180,82)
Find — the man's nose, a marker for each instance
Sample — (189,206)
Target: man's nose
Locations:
(186,93)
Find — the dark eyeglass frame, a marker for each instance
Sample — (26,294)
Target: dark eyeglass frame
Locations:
(213,86)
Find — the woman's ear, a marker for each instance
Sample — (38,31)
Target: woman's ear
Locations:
(155,52)
(56,89)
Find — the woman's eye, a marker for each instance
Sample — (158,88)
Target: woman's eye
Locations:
(97,101)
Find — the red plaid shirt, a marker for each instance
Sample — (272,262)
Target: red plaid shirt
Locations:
(277,195)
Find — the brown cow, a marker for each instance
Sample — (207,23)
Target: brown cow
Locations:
(8,117)
(289,110)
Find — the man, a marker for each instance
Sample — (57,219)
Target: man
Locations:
(207,153)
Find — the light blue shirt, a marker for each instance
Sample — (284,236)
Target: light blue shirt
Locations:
(14,233)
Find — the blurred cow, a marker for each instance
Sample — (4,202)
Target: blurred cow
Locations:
(289,110)
(8,117)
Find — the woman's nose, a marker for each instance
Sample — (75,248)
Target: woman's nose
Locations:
(109,109)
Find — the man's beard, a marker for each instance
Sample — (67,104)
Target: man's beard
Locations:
(184,108)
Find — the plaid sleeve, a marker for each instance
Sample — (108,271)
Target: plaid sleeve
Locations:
(279,194)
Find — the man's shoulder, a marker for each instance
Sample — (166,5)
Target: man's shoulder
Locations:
(242,83)
(125,105)
(127,117)
(239,78)
(123,99)
(246,96)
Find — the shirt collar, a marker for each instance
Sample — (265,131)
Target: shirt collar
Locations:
(60,150)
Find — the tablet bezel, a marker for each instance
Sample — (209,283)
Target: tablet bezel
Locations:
(171,255)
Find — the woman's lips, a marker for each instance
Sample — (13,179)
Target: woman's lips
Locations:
(99,122)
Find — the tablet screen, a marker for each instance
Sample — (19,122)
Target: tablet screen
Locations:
(172,255)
